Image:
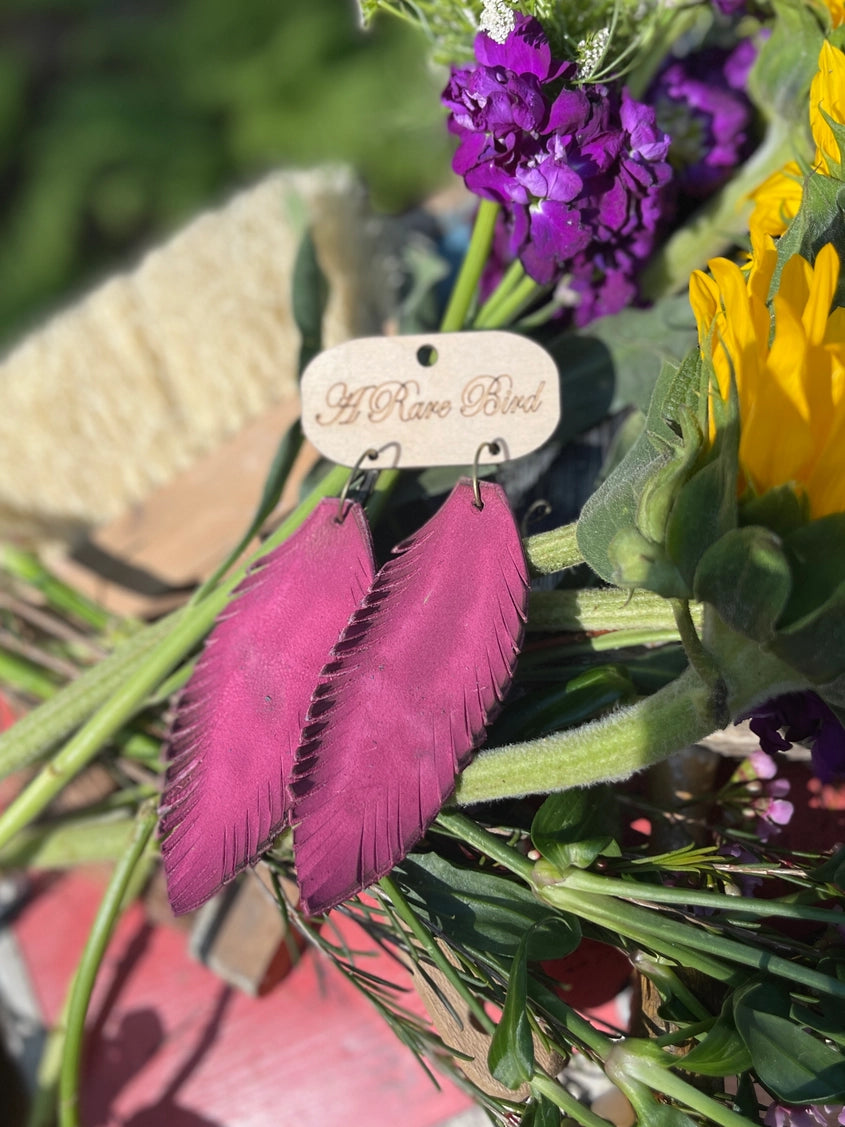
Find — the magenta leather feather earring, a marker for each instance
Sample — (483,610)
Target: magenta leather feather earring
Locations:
(237,723)
(407,694)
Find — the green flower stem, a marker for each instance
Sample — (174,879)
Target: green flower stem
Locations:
(187,630)
(492,846)
(578,1028)
(601,609)
(34,734)
(687,944)
(42,1109)
(543,1085)
(642,893)
(612,747)
(512,277)
(557,550)
(465,286)
(92,956)
(701,660)
(403,910)
(682,943)
(58,595)
(24,676)
(645,1064)
(721,221)
(510,307)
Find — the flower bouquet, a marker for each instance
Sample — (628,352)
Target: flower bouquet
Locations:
(655,246)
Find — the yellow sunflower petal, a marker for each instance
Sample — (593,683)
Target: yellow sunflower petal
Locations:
(827,93)
(776,202)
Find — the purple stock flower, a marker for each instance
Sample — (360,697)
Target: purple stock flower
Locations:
(700,102)
(729,7)
(580,172)
(802,717)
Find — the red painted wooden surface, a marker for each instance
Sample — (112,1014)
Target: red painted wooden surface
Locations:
(171,1046)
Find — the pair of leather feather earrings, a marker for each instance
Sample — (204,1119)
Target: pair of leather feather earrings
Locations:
(342,701)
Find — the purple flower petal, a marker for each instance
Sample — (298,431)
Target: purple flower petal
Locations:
(406,695)
(236,730)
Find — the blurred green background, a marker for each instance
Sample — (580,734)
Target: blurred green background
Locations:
(119,119)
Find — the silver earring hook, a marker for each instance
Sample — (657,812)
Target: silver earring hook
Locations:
(494,447)
(354,473)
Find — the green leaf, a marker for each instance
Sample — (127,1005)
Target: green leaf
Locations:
(780,510)
(540,1112)
(484,912)
(820,220)
(745,575)
(722,1052)
(793,1064)
(627,350)
(565,827)
(309,300)
(705,507)
(552,709)
(622,526)
(780,78)
(816,554)
(511,1054)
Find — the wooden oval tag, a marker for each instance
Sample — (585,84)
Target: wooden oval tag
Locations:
(430,400)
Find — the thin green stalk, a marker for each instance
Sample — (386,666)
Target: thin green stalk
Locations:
(33,735)
(511,278)
(514,303)
(643,1064)
(187,631)
(679,942)
(552,551)
(612,747)
(403,910)
(578,1028)
(543,1085)
(689,946)
(42,1109)
(58,595)
(718,901)
(465,286)
(89,964)
(489,844)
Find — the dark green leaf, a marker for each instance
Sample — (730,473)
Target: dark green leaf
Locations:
(566,828)
(511,1054)
(780,509)
(745,575)
(705,507)
(828,1020)
(552,709)
(815,644)
(309,299)
(540,1112)
(794,1065)
(816,553)
(722,1052)
(283,460)
(484,912)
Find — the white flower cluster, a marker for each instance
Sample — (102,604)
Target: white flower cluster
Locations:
(497,19)
(591,52)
